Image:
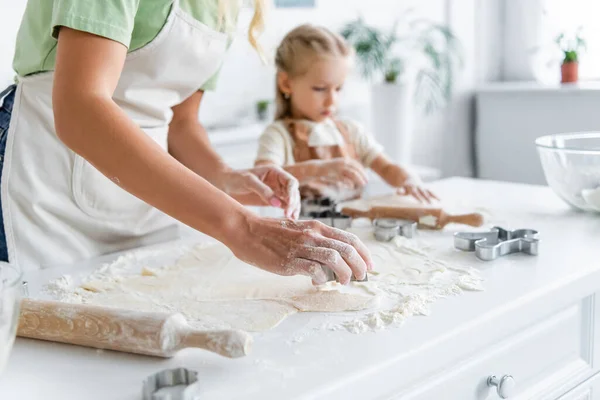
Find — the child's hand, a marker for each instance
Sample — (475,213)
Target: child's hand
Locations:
(345,170)
(416,190)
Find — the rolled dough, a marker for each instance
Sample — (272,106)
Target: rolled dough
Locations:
(215,290)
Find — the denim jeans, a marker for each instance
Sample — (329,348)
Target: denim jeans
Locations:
(7,98)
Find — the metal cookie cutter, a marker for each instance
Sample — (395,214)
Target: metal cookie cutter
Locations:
(171,378)
(385,229)
(498,242)
(332,218)
(316,205)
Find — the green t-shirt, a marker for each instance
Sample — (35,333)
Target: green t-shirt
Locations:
(131,22)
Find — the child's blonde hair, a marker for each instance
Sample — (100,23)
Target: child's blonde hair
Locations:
(228,10)
(297,51)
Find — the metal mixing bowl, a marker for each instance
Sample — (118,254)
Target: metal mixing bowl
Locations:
(10,300)
(571,163)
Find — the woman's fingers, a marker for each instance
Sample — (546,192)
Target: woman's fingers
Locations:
(352,242)
(327,257)
(291,196)
(310,268)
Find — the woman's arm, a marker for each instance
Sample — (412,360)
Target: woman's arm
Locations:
(189,143)
(90,123)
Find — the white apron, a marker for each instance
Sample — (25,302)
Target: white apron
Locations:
(59,209)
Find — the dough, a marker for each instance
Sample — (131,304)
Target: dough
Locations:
(215,290)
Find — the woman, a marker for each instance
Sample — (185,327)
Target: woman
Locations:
(102,144)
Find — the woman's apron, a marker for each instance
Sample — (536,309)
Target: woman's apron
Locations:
(58,208)
(324,186)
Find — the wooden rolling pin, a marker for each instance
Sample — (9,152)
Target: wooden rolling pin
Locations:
(430,218)
(156,334)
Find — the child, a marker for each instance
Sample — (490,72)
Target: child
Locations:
(326,154)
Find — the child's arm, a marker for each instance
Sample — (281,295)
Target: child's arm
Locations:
(398,177)
(371,155)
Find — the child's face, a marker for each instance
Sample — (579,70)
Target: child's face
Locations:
(315,94)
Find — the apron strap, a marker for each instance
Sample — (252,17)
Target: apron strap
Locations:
(350,150)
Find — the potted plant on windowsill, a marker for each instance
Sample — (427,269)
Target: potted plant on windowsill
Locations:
(262,109)
(571,48)
(417,66)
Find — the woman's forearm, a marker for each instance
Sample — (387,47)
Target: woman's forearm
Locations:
(189,143)
(97,129)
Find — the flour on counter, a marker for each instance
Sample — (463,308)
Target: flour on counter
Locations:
(412,289)
(215,290)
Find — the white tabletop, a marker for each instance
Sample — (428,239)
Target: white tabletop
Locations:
(337,364)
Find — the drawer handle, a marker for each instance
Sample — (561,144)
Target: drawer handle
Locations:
(505,386)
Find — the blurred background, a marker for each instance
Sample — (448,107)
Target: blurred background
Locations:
(464,89)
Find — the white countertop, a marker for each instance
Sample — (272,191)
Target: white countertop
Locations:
(328,364)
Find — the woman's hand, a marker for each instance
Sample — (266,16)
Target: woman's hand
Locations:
(418,191)
(287,247)
(270,183)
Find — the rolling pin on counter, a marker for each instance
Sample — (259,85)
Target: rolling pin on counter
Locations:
(150,333)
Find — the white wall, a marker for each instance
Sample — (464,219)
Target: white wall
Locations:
(10,18)
(490,19)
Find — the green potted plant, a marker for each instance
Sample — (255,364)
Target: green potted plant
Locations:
(431,48)
(416,66)
(571,48)
(262,109)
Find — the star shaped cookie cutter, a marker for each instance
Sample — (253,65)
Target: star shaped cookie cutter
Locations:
(498,242)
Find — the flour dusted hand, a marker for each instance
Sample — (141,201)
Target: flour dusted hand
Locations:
(271,183)
(346,170)
(418,191)
(287,247)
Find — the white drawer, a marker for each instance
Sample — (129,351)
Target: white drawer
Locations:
(546,360)
(588,390)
